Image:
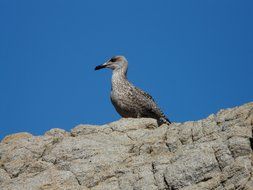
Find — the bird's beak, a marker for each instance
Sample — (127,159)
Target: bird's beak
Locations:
(101,66)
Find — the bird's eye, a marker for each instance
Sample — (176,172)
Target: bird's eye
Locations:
(113,60)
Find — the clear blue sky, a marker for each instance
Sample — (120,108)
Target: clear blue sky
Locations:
(194,57)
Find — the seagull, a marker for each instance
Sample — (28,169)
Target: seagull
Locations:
(128,100)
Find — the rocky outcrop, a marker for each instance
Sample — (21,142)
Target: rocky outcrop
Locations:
(212,154)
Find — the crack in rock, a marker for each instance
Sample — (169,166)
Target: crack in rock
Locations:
(213,153)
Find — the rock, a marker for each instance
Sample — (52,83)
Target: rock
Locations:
(15,137)
(4,176)
(60,133)
(212,154)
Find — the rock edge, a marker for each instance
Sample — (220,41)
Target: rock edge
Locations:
(212,154)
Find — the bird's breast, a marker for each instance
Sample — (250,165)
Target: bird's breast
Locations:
(118,97)
(123,102)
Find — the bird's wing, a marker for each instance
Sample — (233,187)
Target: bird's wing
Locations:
(150,102)
(144,94)
(155,110)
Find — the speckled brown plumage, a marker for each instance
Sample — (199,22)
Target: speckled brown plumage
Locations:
(128,100)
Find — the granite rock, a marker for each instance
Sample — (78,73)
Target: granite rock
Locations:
(212,154)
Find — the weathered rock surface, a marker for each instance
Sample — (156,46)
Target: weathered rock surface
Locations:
(212,154)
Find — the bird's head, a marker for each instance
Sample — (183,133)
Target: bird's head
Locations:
(115,63)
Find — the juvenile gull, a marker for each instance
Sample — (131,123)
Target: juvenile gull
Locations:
(128,100)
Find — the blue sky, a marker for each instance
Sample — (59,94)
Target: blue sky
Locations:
(194,58)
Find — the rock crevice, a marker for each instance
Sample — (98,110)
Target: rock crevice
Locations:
(212,154)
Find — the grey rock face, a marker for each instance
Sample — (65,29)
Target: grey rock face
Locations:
(211,154)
